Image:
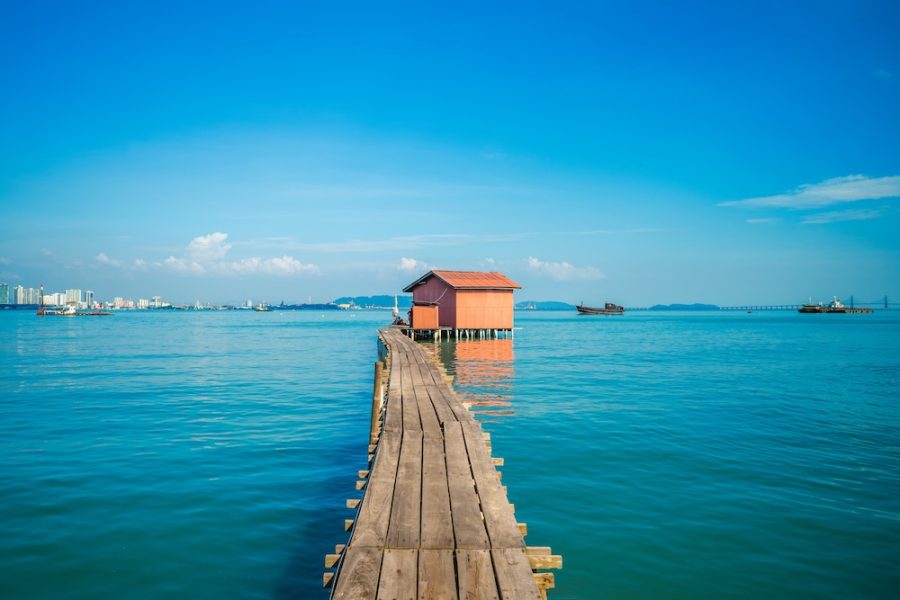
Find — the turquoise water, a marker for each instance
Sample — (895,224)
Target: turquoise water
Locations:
(664,455)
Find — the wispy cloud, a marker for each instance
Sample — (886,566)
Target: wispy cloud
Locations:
(5,261)
(763,221)
(279,265)
(840,190)
(103,259)
(411,265)
(181,265)
(206,254)
(836,216)
(563,271)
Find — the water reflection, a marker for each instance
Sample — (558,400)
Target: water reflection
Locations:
(483,372)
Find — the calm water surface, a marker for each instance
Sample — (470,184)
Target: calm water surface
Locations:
(664,455)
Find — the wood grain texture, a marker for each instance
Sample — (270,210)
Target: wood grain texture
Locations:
(399,575)
(358,575)
(437,575)
(475,574)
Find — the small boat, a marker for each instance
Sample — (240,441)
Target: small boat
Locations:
(261,308)
(608,309)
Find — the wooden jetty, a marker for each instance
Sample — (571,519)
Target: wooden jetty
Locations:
(434,520)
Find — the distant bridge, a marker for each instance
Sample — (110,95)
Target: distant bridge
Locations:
(763,307)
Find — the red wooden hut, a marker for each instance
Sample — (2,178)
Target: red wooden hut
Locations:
(462,300)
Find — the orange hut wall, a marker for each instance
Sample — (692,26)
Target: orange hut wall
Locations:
(467,309)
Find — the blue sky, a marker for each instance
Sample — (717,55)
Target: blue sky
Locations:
(635,152)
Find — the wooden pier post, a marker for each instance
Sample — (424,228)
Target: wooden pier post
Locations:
(377,396)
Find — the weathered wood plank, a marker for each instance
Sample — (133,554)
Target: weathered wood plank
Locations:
(393,416)
(499,517)
(358,575)
(411,419)
(430,424)
(374,514)
(475,575)
(406,510)
(514,576)
(399,575)
(437,523)
(437,575)
(468,526)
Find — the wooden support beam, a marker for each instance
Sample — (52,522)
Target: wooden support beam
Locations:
(372,448)
(353,502)
(338,548)
(327,578)
(538,550)
(523,528)
(498,462)
(360,484)
(348,524)
(363,473)
(544,582)
(545,561)
(331,559)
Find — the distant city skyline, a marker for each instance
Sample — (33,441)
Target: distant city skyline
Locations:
(636,153)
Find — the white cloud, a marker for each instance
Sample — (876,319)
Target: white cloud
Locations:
(5,261)
(279,265)
(204,248)
(563,271)
(183,266)
(205,254)
(764,221)
(852,188)
(103,259)
(140,263)
(837,216)
(411,265)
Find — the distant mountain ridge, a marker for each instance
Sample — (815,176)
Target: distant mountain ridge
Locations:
(544,305)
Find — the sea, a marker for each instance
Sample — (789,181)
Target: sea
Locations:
(204,454)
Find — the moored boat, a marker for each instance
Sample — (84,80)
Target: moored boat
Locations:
(608,309)
(834,307)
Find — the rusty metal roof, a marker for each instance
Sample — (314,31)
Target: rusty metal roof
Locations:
(469,280)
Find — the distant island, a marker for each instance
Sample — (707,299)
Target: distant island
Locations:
(544,305)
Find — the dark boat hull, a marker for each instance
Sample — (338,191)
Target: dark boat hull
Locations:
(609,309)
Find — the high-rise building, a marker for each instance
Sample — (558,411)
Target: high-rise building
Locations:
(73,296)
(19,295)
(4,293)
(89,298)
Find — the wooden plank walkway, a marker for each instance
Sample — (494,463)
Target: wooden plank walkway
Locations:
(434,520)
